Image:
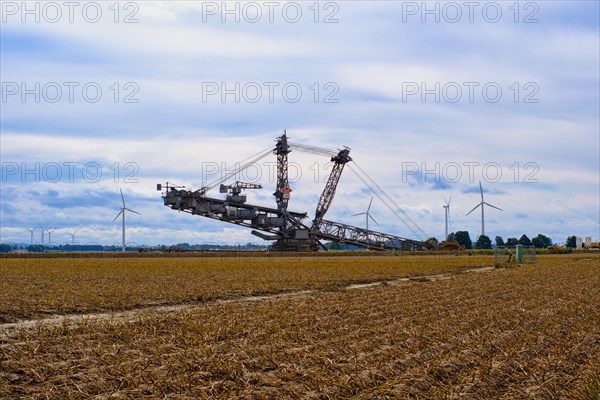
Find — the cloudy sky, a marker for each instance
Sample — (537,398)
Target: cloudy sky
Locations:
(431,98)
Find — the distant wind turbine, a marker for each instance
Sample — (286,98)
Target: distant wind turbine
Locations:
(43,230)
(482,204)
(367,215)
(50,236)
(122,212)
(72,238)
(447,214)
(31,231)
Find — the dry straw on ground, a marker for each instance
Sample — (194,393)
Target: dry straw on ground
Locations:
(35,287)
(524,332)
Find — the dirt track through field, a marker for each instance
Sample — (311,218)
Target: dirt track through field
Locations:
(8,329)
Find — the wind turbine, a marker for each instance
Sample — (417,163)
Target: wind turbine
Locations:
(43,230)
(447,214)
(367,215)
(72,238)
(122,212)
(50,236)
(482,204)
(31,231)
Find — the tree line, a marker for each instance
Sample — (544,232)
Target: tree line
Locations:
(484,242)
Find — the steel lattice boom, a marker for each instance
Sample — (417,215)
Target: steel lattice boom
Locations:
(339,161)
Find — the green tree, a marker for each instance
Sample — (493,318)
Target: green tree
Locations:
(36,248)
(571,242)
(464,239)
(483,242)
(524,240)
(5,248)
(451,237)
(511,242)
(541,241)
(499,241)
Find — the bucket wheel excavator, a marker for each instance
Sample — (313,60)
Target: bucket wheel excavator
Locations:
(289,230)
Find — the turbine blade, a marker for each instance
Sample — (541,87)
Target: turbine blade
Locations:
(373,219)
(449,200)
(122,198)
(135,212)
(371,202)
(120,212)
(356,215)
(497,208)
(474,208)
(481,191)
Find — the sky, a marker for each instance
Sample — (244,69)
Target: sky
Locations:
(431,97)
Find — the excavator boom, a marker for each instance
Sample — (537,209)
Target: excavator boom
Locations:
(339,161)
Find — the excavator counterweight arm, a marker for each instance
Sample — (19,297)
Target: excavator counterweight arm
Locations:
(339,161)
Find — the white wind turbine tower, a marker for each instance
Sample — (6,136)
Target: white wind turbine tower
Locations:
(483,204)
(31,231)
(43,230)
(447,214)
(122,212)
(367,215)
(49,231)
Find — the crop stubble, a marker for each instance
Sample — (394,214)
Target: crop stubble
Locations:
(525,332)
(32,287)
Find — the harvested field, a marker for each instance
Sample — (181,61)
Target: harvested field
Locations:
(524,332)
(37,287)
